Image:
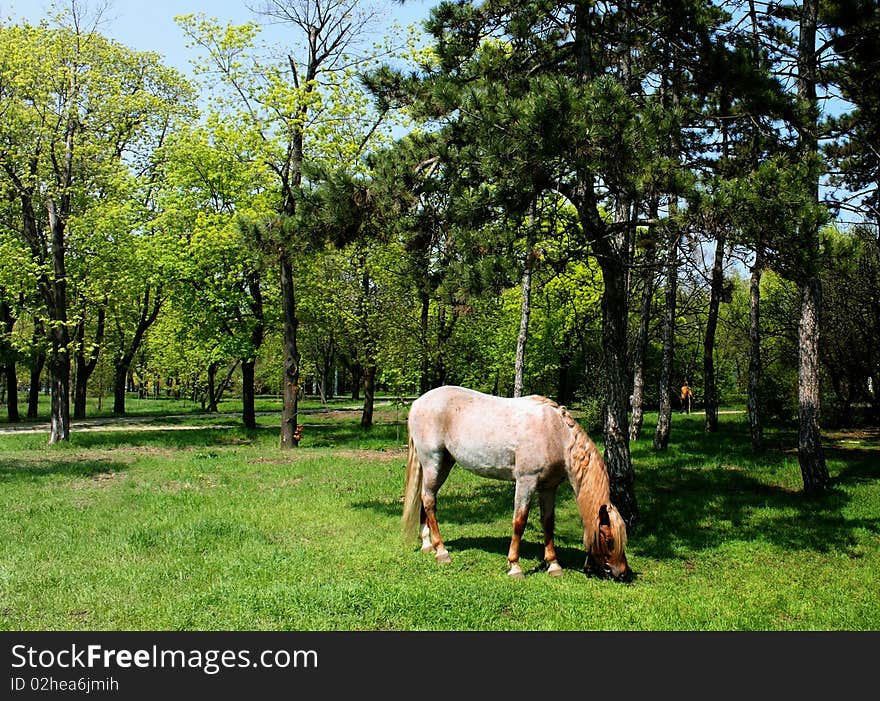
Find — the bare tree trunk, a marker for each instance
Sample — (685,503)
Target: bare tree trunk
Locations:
(59,370)
(212,386)
(755,428)
(38,361)
(810,454)
(120,384)
(86,363)
(525,312)
(425,374)
(125,355)
(290,409)
(368,343)
(614,341)
(664,418)
(258,332)
(59,361)
(639,352)
(369,394)
(710,387)
(248,415)
(8,319)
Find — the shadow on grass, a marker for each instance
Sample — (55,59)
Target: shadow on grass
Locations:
(703,491)
(709,489)
(486,502)
(25,470)
(349,434)
(172,439)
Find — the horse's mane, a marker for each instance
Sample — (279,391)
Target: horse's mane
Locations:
(589,477)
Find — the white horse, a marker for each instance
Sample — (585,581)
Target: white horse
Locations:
(531,441)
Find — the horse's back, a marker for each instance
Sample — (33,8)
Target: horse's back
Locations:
(484,433)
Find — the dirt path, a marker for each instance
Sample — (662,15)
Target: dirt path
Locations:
(160,423)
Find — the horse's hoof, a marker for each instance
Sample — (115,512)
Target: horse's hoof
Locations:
(554,570)
(443,557)
(515,572)
(427,548)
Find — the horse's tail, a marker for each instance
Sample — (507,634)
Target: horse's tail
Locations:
(412,495)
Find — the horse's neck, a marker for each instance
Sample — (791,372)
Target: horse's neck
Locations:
(588,477)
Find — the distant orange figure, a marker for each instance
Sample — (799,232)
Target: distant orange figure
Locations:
(686,396)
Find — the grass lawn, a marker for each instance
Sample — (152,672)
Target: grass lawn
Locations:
(215,528)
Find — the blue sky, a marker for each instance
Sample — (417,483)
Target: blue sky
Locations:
(150,26)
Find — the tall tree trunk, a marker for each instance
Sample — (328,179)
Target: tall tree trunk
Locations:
(369,394)
(38,361)
(640,350)
(120,385)
(8,319)
(368,342)
(425,374)
(248,414)
(710,387)
(59,372)
(150,306)
(664,418)
(755,428)
(59,360)
(290,323)
(12,413)
(810,454)
(86,362)
(216,391)
(212,386)
(258,333)
(616,431)
(525,312)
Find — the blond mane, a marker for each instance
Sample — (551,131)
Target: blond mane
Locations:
(589,479)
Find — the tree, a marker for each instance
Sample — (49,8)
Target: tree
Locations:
(215,195)
(810,454)
(298,112)
(74,106)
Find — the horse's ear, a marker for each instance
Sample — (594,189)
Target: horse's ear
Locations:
(604,518)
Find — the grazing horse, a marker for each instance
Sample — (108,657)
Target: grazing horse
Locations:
(531,441)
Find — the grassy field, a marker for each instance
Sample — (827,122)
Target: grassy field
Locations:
(214,528)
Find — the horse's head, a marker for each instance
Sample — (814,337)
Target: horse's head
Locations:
(606,553)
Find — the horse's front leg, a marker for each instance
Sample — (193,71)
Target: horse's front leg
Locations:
(521,500)
(547,500)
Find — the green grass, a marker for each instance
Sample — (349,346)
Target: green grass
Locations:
(215,528)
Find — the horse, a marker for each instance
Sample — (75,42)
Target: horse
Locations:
(530,440)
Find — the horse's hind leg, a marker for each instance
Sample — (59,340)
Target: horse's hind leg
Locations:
(547,500)
(425,533)
(435,473)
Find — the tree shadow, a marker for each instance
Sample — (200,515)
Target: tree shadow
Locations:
(332,434)
(688,506)
(531,550)
(483,502)
(705,490)
(27,471)
(171,439)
